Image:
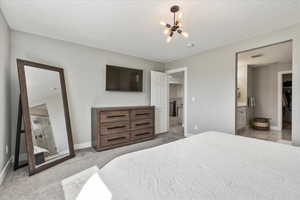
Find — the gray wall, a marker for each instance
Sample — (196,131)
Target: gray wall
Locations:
(211,79)
(4,91)
(264,87)
(85,77)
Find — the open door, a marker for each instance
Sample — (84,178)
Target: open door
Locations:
(159,99)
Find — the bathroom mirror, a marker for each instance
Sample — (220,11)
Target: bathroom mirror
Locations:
(45,114)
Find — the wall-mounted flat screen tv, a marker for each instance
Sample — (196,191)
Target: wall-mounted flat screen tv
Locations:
(123,79)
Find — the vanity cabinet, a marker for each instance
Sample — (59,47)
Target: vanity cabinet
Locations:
(241,117)
(118,126)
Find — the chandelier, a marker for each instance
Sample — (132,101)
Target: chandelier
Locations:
(176,27)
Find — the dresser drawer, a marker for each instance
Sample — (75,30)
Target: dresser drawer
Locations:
(141,134)
(141,114)
(114,139)
(114,127)
(142,124)
(114,116)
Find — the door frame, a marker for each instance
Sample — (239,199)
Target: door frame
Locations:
(236,74)
(172,71)
(279,97)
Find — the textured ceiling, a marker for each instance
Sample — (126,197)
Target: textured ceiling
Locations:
(132,26)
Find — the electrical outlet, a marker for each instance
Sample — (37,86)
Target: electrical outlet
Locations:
(6,149)
(196,127)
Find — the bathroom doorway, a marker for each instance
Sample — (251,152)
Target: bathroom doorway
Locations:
(264,93)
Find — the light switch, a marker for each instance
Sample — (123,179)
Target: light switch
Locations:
(193,99)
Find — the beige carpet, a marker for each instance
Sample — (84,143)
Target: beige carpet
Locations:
(73,185)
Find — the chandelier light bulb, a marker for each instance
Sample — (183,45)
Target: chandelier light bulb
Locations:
(180,15)
(163,23)
(185,34)
(166,31)
(169,38)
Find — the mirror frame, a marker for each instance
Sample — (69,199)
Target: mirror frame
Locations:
(26,115)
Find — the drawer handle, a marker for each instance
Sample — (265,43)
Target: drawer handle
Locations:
(115,127)
(142,124)
(140,114)
(115,139)
(140,134)
(114,116)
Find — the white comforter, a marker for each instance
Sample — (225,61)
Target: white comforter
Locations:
(207,166)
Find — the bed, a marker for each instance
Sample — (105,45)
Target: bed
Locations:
(208,166)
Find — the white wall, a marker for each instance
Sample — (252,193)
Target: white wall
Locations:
(85,77)
(265,91)
(5,130)
(211,79)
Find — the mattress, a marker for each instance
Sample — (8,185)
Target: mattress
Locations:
(208,166)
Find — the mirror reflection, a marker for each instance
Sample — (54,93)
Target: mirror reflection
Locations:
(46,109)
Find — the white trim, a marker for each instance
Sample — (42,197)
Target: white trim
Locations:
(4,171)
(189,135)
(279,97)
(82,145)
(172,71)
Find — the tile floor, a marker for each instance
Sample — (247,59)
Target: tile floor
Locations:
(283,136)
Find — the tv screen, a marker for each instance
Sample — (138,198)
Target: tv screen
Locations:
(123,79)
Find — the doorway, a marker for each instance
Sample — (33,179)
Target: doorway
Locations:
(285,91)
(177,101)
(170,102)
(264,92)
(176,107)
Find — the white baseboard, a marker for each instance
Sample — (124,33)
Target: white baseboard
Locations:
(82,145)
(275,128)
(4,171)
(188,134)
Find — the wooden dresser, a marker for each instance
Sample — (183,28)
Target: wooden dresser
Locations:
(118,126)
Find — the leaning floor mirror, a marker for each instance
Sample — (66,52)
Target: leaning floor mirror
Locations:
(45,114)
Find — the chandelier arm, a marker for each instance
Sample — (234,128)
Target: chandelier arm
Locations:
(174,18)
